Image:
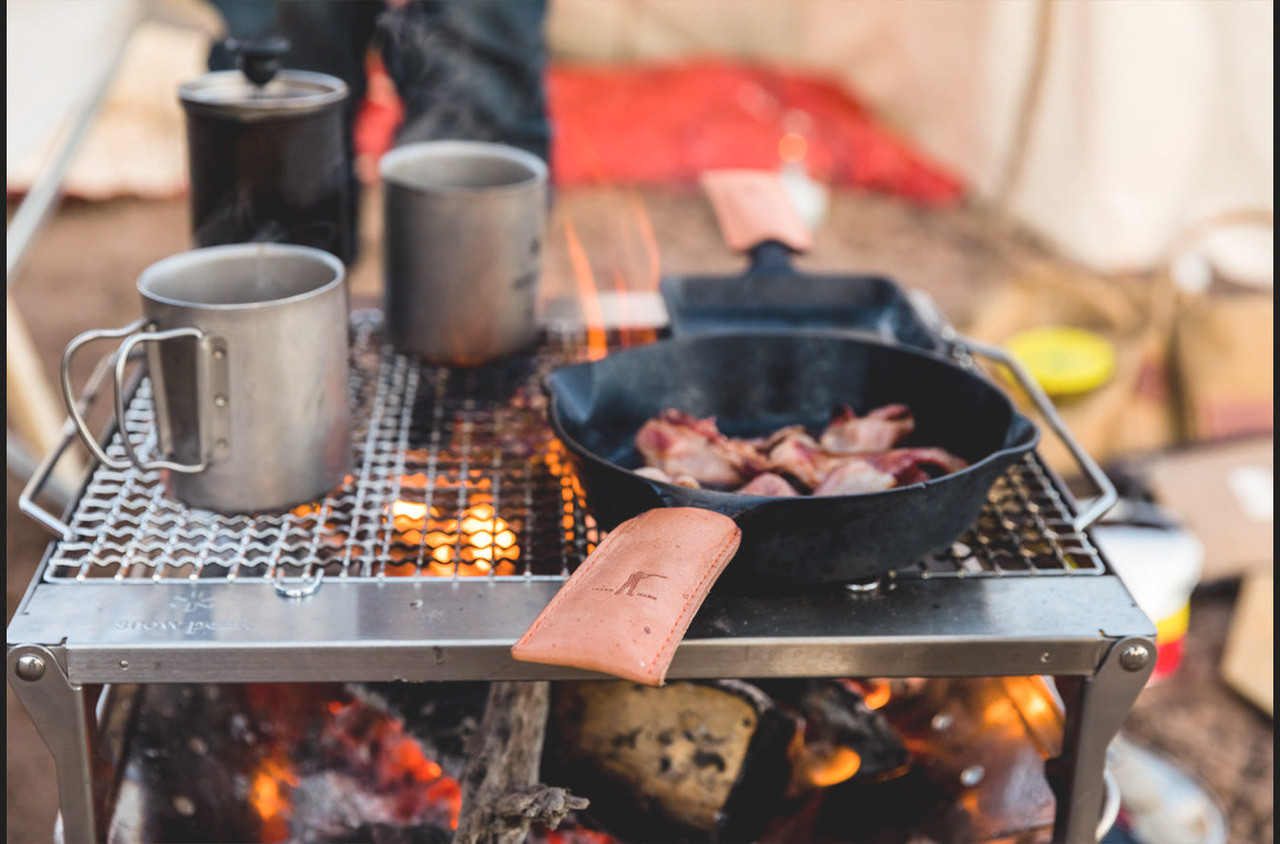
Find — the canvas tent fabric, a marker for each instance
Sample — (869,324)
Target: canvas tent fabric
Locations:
(1144,119)
(1109,128)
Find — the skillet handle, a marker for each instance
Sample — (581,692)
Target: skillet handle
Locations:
(752,208)
(1107,492)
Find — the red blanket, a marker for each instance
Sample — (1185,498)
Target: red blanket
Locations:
(648,125)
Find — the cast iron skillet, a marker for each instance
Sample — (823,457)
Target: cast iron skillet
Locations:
(772,295)
(755,383)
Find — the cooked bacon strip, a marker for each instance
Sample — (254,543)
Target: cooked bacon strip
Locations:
(854,476)
(852,457)
(769,484)
(799,455)
(765,444)
(653,473)
(911,465)
(879,430)
(680,444)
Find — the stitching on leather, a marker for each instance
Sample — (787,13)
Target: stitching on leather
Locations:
(682,623)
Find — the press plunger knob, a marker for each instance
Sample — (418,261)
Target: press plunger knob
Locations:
(259,58)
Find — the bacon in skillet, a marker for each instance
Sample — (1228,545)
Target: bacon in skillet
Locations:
(653,473)
(879,430)
(797,454)
(854,476)
(912,465)
(769,484)
(684,450)
(680,444)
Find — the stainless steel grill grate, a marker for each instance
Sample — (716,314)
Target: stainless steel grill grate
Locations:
(457,475)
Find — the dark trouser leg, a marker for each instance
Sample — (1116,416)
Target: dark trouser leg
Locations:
(470,69)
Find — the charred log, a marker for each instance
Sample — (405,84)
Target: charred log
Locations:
(834,715)
(501,796)
(668,764)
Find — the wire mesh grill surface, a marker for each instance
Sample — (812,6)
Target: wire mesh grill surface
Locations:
(457,475)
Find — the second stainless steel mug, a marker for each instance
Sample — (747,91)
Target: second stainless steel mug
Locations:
(247,353)
(463,240)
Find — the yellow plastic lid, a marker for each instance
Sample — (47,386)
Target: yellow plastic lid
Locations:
(1065,361)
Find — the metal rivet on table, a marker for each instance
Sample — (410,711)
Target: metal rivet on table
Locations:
(124,665)
(30,668)
(1135,657)
(220,401)
(1046,656)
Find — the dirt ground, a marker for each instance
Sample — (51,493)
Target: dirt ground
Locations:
(81,273)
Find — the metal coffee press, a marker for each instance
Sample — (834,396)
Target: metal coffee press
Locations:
(268,154)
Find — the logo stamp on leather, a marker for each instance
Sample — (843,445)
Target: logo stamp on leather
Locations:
(628,586)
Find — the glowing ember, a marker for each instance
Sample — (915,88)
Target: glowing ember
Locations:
(573,835)
(376,748)
(571,494)
(408,514)
(478,543)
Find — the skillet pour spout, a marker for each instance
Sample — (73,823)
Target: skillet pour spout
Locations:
(755,383)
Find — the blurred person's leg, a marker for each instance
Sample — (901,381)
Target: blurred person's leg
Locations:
(469,69)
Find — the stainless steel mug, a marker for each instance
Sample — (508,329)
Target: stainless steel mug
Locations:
(247,351)
(463,241)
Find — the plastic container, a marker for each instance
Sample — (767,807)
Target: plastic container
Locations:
(1160,567)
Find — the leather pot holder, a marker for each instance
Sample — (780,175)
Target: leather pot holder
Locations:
(626,608)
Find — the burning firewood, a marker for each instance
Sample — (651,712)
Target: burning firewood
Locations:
(501,796)
(686,761)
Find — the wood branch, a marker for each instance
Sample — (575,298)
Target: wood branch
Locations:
(542,804)
(501,796)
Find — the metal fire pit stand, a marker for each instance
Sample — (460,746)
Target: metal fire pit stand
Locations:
(139,590)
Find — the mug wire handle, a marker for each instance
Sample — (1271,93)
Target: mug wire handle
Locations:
(122,359)
(133,337)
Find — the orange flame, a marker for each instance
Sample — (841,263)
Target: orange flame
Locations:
(875,693)
(1035,707)
(634,263)
(644,227)
(820,764)
(834,766)
(596,342)
(269,797)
